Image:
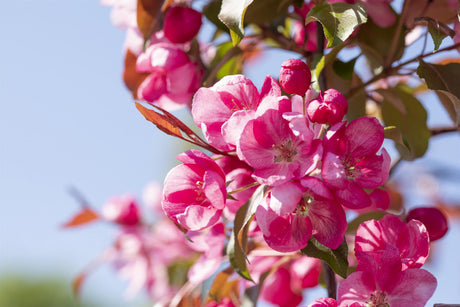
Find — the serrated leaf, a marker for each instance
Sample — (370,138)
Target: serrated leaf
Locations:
(373,215)
(232,15)
(162,122)
(336,258)
(404,111)
(437,29)
(339,20)
(235,247)
(85,216)
(444,80)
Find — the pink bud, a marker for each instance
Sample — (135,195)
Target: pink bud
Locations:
(122,210)
(329,108)
(295,77)
(181,24)
(433,219)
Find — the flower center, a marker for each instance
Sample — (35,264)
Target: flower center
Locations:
(285,151)
(302,206)
(377,299)
(199,191)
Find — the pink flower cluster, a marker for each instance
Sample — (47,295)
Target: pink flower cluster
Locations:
(173,75)
(311,174)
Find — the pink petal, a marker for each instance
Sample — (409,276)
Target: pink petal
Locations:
(328,222)
(198,217)
(353,197)
(284,198)
(356,288)
(414,289)
(364,136)
(214,189)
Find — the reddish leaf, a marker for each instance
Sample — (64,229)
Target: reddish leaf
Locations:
(163,123)
(148,15)
(83,217)
(131,77)
(77,283)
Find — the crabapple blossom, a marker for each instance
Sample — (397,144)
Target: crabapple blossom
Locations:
(222,110)
(284,286)
(173,77)
(276,150)
(350,160)
(295,77)
(324,302)
(211,244)
(122,210)
(411,239)
(291,213)
(305,35)
(194,193)
(379,281)
(433,219)
(181,24)
(328,108)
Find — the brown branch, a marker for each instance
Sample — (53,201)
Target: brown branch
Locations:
(442,130)
(331,282)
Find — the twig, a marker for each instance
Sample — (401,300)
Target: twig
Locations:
(331,282)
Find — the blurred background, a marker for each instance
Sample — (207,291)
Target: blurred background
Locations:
(67,121)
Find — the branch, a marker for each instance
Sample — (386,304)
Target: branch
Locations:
(442,130)
(331,282)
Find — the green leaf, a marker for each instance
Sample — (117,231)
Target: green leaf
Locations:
(373,215)
(232,15)
(324,61)
(406,113)
(266,11)
(344,69)
(437,29)
(336,258)
(339,20)
(375,43)
(251,294)
(444,80)
(237,244)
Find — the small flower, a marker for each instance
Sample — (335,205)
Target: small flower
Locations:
(194,192)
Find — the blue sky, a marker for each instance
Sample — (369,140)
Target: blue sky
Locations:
(66,120)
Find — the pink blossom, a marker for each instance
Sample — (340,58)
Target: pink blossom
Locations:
(285,285)
(324,302)
(350,160)
(173,77)
(211,244)
(295,77)
(291,213)
(224,302)
(181,24)
(380,282)
(222,110)
(411,240)
(328,108)
(136,260)
(305,35)
(276,150)
(122,210)
(433,219)
(194,192)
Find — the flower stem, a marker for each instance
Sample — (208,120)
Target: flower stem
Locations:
(331,282)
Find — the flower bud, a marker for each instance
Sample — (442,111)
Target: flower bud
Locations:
(295,77)
(433,219)
(122,210)
(181,24)
(328,108)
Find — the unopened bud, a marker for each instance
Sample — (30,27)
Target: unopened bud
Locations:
(328,108)
(433,219)
(295,77)
(181,24)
